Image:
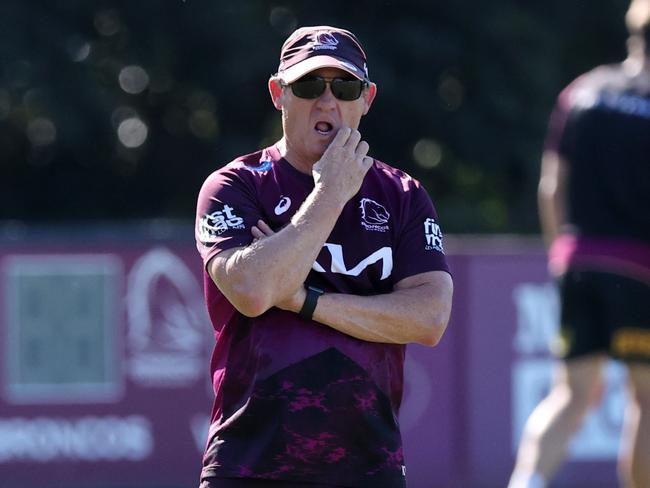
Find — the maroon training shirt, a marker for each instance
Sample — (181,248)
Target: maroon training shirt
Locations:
(297,400)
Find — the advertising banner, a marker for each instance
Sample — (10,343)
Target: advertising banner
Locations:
(104,370)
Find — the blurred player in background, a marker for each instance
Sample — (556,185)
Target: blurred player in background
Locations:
(594,198)
(321,264)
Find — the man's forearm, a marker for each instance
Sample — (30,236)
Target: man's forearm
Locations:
(417,314)
(275,266)
(256,277)
(551,196)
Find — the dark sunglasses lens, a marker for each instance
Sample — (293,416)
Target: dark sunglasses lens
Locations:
(308,88)
(347,89)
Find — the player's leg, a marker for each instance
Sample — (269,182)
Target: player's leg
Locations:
(577,386)
(635,448)
(629,316)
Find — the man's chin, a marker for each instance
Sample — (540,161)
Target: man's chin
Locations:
(319,147)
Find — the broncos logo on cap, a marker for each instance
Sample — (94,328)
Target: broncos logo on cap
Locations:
(327,39)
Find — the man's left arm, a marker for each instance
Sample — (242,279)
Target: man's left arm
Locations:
(416,311)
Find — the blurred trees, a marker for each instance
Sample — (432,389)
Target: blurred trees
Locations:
(118,110)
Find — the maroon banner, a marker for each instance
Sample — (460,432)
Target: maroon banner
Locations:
(104,376)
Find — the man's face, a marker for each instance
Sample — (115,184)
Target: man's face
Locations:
(310,124)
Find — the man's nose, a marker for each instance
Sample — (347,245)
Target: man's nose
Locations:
(327,96)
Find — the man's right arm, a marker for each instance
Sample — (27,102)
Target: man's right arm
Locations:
(552,195)
(257,277)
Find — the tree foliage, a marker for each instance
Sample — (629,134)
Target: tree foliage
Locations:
(118,110)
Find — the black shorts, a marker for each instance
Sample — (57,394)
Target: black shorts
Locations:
(212,482)
(604,312)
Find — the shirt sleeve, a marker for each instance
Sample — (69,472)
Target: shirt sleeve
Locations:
(226,210)
(420,247)
(557,139)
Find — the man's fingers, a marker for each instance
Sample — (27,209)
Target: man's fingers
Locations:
(361,150)
(353,140)
(261,230)
(348,139)
(338,142)
(341,137)
(263,226)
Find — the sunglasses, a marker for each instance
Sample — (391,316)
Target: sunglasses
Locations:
(314,86)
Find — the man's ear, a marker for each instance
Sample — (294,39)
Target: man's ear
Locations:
(369,95)
(275,89)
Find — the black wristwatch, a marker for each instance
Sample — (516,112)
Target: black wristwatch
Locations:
(307,310)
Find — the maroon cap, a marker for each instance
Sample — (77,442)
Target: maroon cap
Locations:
(322,46)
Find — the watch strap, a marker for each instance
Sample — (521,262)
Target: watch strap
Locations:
(311,299)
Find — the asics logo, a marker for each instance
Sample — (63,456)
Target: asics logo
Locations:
(283,205)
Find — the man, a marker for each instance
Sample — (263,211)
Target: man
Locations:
(321,264)
(595,212)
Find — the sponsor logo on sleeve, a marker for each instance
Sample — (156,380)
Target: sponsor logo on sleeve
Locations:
(214,224)
(374,216)
(432,236)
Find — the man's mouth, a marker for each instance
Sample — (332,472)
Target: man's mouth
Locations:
(324,128)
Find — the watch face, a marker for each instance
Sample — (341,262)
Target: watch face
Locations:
(317,290)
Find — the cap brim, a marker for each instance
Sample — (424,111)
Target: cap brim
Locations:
(300,69)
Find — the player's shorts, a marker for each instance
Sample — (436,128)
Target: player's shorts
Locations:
(212,482)
(604,312)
